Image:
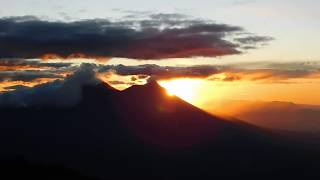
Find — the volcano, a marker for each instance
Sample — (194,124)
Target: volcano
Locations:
(142,132)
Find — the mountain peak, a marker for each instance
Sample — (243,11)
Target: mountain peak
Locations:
(102,86)
(153,83)
(152,89)
(97,92)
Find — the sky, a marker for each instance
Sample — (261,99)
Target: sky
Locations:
(203,51)
(293,23)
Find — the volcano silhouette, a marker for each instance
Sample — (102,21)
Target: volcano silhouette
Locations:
(142,132)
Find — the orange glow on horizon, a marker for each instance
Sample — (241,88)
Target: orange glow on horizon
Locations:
(211,94)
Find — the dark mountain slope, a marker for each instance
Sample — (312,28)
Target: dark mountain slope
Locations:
(169,121)
(142,132)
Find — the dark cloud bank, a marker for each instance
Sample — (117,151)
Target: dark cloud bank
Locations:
(266,72)
(157,36)
(18,70)
(8,62)
(26,76)
(161,72)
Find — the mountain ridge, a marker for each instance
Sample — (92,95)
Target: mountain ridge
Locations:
(143,132)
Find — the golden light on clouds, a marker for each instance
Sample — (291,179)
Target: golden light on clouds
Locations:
(24,68)
(5,86)
(74,57)
(120,82)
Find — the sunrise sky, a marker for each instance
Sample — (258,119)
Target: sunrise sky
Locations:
(167,89)
(221,50)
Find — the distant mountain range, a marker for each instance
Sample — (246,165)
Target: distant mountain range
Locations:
(142,132)
(284,116)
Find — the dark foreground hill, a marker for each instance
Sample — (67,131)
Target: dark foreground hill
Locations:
(142,132)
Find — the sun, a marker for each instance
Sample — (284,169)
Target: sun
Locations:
(186,89)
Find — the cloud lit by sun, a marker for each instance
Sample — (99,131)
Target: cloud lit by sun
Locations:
(184,88)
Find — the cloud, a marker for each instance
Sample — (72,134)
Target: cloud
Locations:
(156,36)
(161,72)
(123,76)
(299,65)
(120,83)
(51,56)
(26,76)
(253,39)
(16,87)
(253,42)
(65,92)
(23,72)
(265,73)
(9,64)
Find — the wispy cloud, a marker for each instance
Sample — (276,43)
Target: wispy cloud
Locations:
(9,64)
(261,73)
